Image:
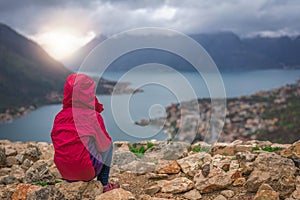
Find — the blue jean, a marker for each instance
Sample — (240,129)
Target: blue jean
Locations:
(101,162)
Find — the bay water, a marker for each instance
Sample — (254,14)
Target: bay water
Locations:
(37,125)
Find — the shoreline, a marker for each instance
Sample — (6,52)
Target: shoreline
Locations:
(265,115)
(107,88)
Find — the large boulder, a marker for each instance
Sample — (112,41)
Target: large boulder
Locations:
(275,170)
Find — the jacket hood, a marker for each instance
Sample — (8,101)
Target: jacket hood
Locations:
(79,91)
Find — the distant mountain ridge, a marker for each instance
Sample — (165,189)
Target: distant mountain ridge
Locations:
(229,51)
(28,75)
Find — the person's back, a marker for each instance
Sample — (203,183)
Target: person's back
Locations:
(82,145)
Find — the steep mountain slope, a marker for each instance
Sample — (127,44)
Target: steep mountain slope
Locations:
(27,73)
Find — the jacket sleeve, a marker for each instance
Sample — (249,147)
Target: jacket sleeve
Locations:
(98,106)
(102,138)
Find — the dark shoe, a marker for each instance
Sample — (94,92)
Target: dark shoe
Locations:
(110,186)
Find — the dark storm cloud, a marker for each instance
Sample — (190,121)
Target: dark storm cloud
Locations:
(265,17)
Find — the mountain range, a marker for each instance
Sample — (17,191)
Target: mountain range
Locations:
(28,75)
(229,52)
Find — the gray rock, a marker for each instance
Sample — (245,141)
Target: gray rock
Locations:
(138,167)
(121,158)
(39,171)
(167,151)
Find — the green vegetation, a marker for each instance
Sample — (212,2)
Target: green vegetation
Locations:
(233,158)
(149,145)
(42,183)
(198,149)
(140,151)
(256,148)
(266,148)
(270,149)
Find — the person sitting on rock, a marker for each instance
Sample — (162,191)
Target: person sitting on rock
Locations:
(83,148)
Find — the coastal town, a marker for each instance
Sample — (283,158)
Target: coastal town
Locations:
(266,115)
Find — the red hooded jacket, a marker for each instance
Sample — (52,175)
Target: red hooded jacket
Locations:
(76,126)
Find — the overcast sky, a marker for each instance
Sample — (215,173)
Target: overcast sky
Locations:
(92,17)
(245,17)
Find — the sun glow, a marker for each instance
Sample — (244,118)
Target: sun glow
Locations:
(61,43)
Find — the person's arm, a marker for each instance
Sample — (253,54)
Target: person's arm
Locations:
(98,106)
(102,138)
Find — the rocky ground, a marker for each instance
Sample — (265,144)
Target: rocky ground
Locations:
(160,170)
